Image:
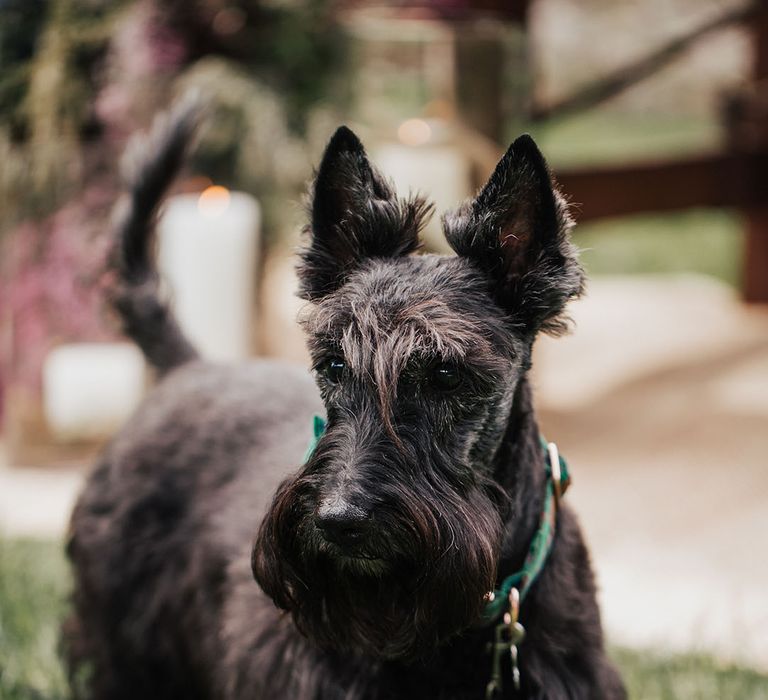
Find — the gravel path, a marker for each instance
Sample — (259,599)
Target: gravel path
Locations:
(670,460)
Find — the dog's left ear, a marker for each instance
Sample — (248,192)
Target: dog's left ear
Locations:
(516,230)
(355,215)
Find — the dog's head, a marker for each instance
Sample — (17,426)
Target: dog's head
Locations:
(388,538)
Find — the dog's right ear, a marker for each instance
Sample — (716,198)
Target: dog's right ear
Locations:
(355,215)
(517,231)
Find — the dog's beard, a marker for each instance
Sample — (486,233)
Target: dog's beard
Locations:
(419,581)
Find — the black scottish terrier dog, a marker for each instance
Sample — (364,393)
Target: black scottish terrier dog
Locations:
(426,491)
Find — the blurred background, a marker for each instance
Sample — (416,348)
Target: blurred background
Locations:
(654,116)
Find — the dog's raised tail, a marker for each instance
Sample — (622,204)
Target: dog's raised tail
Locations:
(149,167)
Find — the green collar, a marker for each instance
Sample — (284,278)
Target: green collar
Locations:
(503,606)
(558,480)
(318,428)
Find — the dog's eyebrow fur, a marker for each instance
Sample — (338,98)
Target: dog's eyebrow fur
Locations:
(379,342)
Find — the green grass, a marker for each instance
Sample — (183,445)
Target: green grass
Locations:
(707,242)
(687,677)
(33,588)
(605,136)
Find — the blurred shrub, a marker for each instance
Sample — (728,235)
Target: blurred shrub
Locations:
(79,75)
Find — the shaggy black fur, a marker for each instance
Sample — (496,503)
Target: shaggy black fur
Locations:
(423,493)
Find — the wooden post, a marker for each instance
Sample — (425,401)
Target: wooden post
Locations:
(756,257)
(755,283)
(492,75)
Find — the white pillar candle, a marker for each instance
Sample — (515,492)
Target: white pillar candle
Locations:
(425,161)
(207,250)
(90,389)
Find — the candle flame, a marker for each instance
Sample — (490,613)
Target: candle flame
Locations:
(214,201)
(414,132)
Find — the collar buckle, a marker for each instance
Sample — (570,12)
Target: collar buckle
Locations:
(558,488)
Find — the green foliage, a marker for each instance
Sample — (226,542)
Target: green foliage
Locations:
(48,54)
(48,50)
(20,26)
(303,51)
(33,587)
(57,56)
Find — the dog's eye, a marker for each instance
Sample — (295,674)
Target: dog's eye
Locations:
(333,369)
(445,377)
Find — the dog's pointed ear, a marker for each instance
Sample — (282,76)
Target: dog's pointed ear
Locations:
(354,215)
(516,230)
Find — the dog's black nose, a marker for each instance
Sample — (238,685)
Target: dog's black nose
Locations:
(342,523)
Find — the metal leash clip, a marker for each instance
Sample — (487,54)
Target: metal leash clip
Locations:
(507,636)
(516,633)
